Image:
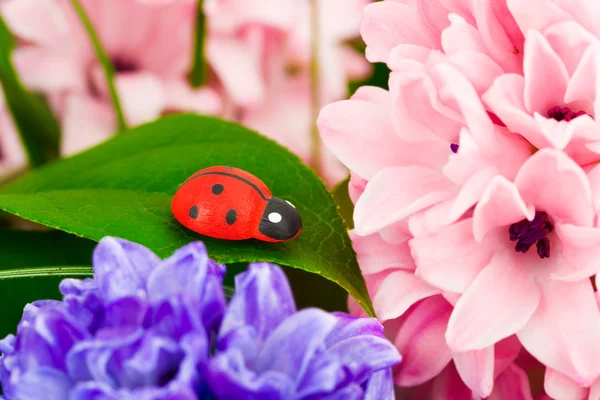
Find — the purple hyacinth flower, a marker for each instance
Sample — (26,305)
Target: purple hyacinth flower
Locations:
(268,350)
(140,329)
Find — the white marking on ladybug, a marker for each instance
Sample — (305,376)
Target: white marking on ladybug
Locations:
(274,217)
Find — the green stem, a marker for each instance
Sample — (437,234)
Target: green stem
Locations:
(107,66)
(46,271)
(315,88)
(198,74)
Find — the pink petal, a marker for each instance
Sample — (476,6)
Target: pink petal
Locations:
(450,210)
(356,187)
(505,352)
(38,21)
(546,76)
(142,97)
(584,82)
(86,122)
(581,251)
(404,52)
(237,69)
(570,41)
(512,384)
(559,386)
(398,291)
(583,12)
(561,338)
(500,205)
(421,342)
(595,391)
(372,93)
(499,33)
(434,14)
(497,304)
(554,183)
(43,69)
(395,193)
(448,385)
(547,13)
(478,68)
(461,36)
(179,96)
(450,259)
(416,106)
(376,255)
(361,135)
(505,100)
(594,179)
(387,24)
(476,369)
(13,154)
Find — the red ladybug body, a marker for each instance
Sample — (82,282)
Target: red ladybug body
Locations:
(229,203)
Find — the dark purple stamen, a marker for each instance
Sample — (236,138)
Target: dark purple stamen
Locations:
(454,147)
(527,233)
(564,113)
(124,65)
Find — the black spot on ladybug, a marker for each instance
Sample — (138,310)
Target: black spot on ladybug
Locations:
(231,216)
(193,212)
(217,189)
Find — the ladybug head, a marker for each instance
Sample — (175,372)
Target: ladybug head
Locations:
(280,221)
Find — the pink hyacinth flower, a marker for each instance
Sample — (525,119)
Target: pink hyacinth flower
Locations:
(149,45)
(522,264)
(440,373)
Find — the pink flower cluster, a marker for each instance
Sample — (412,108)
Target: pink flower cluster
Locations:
(258,53)
(477,191)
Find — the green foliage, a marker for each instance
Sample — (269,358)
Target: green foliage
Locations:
(37,126)
(107,66)
(20,249)
(124,188)
(199,71)
(345,205)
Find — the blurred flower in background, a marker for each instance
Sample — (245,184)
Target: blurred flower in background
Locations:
(144,328)
(12,155)
(258,55)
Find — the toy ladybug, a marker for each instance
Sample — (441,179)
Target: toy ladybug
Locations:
(229,203)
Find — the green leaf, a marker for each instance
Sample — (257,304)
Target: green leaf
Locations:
(107,66)
(198,72)
(44,251)
(124,188)
(37,127)
(345,205)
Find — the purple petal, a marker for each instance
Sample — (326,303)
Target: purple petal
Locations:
(294,342)
(7,345)
(184,272)
(350,392)
(380,386)
(77,287)
(155,362)
(126,311)
(101,359)
(42,383)
(47,340)
(262,300)
(92,390)
(229,378)
(364,355)
(349,326)
(121,267)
